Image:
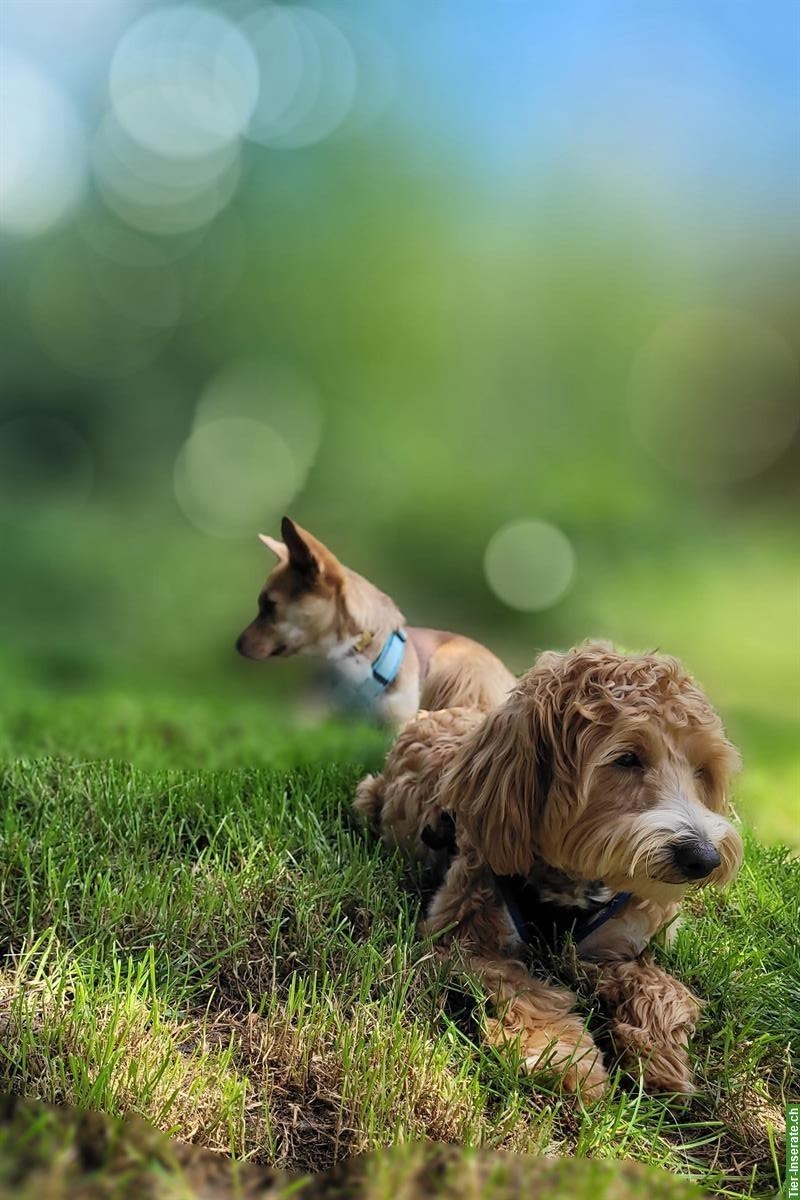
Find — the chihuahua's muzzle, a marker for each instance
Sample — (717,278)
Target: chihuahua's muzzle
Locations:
(254,643)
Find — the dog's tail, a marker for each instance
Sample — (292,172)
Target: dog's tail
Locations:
(369,798)
(464,674)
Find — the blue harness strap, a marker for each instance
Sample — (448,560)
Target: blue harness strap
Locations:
(385,667)
(584,928)
(580,928)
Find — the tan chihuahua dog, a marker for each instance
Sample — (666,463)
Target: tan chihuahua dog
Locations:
(311,604)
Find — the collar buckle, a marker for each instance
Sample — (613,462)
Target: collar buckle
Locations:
(363,641)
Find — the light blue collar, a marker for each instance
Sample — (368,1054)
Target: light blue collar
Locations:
(385,667)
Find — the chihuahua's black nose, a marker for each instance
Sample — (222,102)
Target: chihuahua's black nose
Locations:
(695,858)
(240,644)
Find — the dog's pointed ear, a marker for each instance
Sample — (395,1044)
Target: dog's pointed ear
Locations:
(302,548)
(278,548)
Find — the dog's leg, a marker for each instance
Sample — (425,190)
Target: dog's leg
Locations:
(652,1017)
(369,798)
(541,1020)
(536,1016)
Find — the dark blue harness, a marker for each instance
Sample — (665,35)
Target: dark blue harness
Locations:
(531,917)
(559,918)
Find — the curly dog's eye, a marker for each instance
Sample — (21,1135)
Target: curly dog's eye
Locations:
(628,760)
(701,772)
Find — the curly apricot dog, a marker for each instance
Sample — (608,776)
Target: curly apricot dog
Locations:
(595,794)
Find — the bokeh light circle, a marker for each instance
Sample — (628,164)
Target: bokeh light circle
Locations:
(529,564)
(184,81)
(275,38)
(42,149)
(159,194)
(46,466)
(106,235)
(309,76)
(376,68)
(271,392)
(163,282)
(230,473)
(714,396)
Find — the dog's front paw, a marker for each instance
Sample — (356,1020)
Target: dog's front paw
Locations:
(578,1065)
(570,1056)
(664,1067)
(653,1016)
(369,798)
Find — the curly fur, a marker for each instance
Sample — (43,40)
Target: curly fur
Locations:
(539,780)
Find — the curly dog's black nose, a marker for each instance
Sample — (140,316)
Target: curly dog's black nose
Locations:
(695,859)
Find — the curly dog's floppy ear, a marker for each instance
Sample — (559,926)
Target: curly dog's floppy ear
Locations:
(499,778)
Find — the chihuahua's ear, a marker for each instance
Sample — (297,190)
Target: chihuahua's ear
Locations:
(277,548)
(302,555)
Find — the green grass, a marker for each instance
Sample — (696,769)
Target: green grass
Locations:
(218,947)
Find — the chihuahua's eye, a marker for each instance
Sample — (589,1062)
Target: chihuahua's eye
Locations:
(266,607)
(629,761)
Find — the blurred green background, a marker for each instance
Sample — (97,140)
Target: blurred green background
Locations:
(500,300)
